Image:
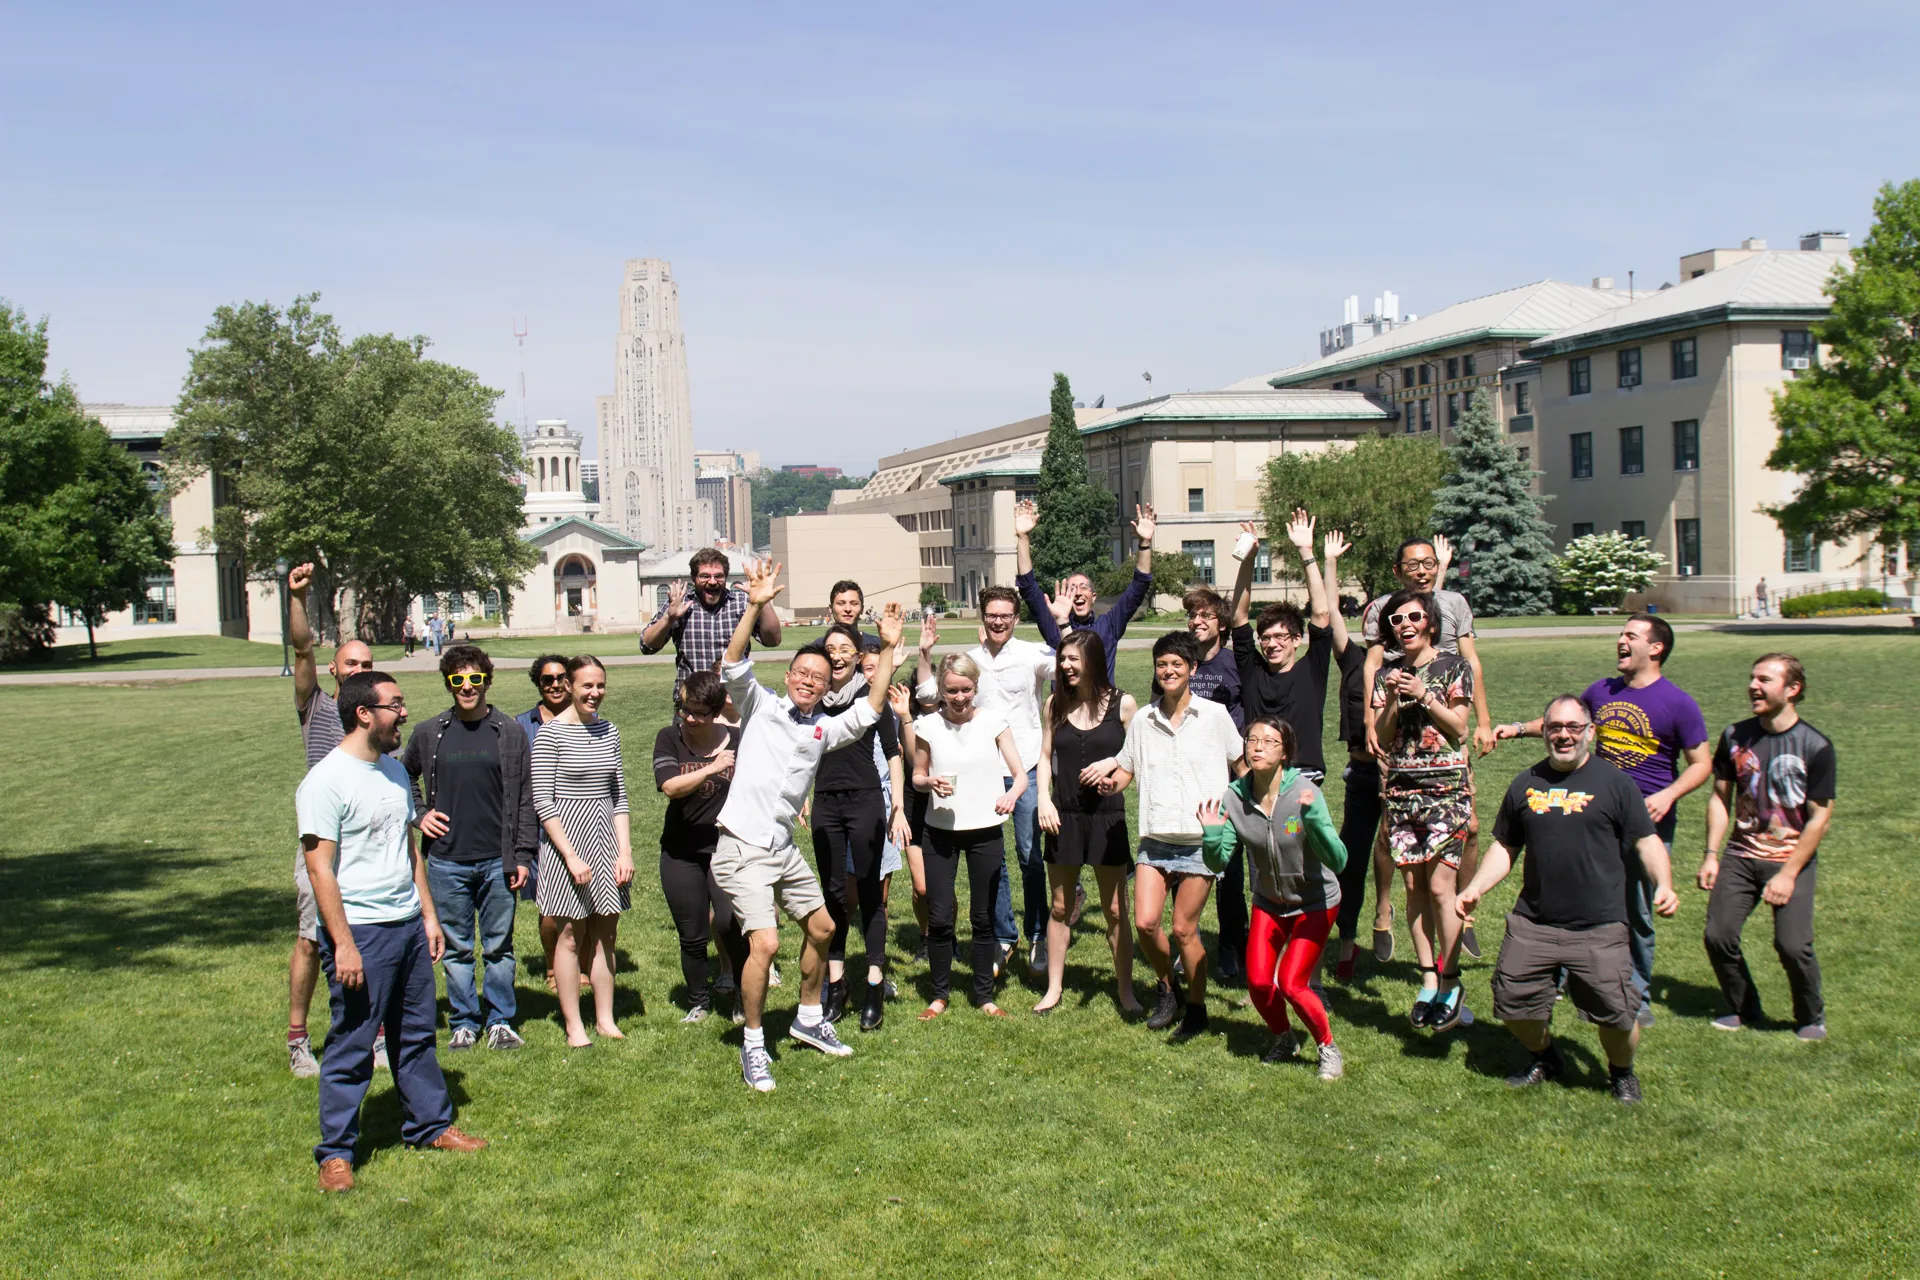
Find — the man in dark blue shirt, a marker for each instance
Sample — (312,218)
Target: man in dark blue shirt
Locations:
(1071,607)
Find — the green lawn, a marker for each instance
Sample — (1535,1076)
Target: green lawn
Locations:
(157,654)
(152,1129)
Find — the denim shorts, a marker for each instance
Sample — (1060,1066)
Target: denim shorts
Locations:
(1174,859)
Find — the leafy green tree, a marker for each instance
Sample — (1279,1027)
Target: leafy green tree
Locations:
(78,524)
(1075,533)
(1601,568)
(785,493)
(1173,573)
(933,596)
(1850,426)
(1484,506)
(1378,492)
(383,468)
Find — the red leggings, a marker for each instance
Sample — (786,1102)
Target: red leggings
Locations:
(1281,954)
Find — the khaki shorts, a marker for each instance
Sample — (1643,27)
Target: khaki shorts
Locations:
(755,879)
(1599,972)
(303,897)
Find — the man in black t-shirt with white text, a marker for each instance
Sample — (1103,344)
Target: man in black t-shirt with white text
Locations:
(1579,820)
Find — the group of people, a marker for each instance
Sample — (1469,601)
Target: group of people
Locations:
(1224,753)
(435,633)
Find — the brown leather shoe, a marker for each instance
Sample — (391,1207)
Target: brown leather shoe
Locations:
(336,1174)
(451,1139)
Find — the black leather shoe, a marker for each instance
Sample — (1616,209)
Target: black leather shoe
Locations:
(1539,1069)
(1626,1089)
(873,1010)
(834,1001)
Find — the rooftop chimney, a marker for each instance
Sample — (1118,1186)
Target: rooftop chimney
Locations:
(1754,244)
(1603,282)
(1825,241)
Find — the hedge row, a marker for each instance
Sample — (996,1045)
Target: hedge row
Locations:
(1812,606)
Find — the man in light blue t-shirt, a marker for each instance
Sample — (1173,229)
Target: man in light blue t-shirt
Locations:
(381,936)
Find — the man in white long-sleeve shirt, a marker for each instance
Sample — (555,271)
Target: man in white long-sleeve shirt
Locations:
(755,863)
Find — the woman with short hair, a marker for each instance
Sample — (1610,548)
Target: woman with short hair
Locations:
(586,848)
(693,769)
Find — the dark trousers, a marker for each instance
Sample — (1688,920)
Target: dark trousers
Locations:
(985,852)
(851,827)
(1735,894)
(1359,820)
(693,898)
(1230,896)
(398,991)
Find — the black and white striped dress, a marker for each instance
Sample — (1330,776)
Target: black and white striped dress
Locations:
(578,778)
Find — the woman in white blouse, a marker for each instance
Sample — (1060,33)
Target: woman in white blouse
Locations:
(962,758)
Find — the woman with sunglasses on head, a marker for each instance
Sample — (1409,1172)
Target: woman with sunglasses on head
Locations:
(1085,720)
(962,757)
(1277,814)
(1422,708)
(586,848)
(693,768)
(549,676)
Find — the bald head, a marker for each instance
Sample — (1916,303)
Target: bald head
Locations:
(351,657)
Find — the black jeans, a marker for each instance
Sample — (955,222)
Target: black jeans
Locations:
(1735,894)
(1359,820)
(985,851)
(691,894)
(851,826)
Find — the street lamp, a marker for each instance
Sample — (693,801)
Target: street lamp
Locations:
(280,571)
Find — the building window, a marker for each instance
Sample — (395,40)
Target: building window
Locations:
(1263,564)
(1579,376)
(1523,397)
(1426,374)
(1584,530)
(1629,366)
(1453,409)
(973,535)
(1426,414)
(1581,443)
(1803,554)
(1686,541)
(1453,367)
(1796,349)
(1633,450)
(1686,358)
(1633,528)
(157,605)
(1196,499)
(1406,376)
(1686,445)
(1526,455)
(1201,553)
(1466,366)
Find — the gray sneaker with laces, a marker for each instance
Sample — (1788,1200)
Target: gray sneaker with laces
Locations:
(1285,1048)
(820,1035)
(300,1059)
(756,1068)
(698,1013)
(1332,1064)
(502,1036)
(464,1038)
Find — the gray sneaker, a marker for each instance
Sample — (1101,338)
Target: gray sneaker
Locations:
(300,1059)
(1285,1048)
(380,1062)
(1811,1032)
(502,1036)
(464,1038)
(1332,1065)
(1037,958)
(698,1013)
(756,1068)
(819,1035)
(1728,1022)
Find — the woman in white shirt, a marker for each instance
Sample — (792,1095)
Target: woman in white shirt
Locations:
(962,758)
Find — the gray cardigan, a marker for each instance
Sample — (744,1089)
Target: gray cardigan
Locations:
(519,826)
(1288,876)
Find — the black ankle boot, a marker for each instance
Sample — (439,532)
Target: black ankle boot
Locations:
(873,1010)
(834,1001)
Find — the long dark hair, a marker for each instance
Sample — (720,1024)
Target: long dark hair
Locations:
(1093,676)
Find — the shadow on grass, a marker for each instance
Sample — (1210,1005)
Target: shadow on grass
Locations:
(107,906)
(382,1113)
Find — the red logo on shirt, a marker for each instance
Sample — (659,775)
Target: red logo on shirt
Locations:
(818,733)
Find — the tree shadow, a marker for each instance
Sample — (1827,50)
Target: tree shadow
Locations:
(120,905)
(382,1114)
(1686,999)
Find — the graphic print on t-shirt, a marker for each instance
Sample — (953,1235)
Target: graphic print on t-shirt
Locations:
(1625,735)
(1775,776)
(1558,798)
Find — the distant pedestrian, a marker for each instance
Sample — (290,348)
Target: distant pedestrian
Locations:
(382,935)
(407,634)
(1760,598)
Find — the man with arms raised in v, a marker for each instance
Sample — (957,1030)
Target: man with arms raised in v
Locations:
(1071,606)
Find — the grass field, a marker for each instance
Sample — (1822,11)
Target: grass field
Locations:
(152,1128)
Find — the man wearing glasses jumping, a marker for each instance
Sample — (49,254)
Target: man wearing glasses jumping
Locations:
(472,774)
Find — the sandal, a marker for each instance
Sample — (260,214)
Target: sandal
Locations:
(933,1011)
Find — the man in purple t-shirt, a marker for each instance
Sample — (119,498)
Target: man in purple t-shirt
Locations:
(1644,726)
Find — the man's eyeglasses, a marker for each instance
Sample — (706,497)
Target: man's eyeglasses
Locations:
(398,706)
(1000,617)
(1565,728)
(1419,564)
(1411,615)
(547,682)
(462,679)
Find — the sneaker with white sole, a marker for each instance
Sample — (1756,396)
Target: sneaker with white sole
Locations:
(300,1059)
(464,1038)
(756,1068)
(698,1013)
(380,1062)
(1037,958)
(502,1036)
(1285,1048)
(1728,1022)
(773,975)
(1332,1065)
(1812,1032)
(820,1035)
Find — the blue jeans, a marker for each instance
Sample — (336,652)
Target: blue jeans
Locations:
(1640,928)
(1034,895)
(462,891)
(398,992)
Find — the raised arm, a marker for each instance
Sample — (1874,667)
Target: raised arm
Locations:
(762,587)
(306,677)
(1243,580)
(893,620)
(654,638)
(1143,530)
(1334,545)
(768,632)
(1300,533)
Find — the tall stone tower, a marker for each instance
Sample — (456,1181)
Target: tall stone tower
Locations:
(647,475)
(554,475)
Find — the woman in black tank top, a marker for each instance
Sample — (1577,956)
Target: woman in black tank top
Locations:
(1085,721)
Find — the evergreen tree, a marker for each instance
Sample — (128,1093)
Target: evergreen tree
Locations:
(1850,426)
(1483,505)
(1076,516)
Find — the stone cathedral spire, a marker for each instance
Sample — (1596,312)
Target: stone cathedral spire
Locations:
(646,442)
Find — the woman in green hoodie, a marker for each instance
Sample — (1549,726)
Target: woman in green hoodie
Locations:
(1294,854)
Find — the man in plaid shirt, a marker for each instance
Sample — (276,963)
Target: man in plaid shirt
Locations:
(700,622)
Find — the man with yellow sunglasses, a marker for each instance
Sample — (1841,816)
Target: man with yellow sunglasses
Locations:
(473,778)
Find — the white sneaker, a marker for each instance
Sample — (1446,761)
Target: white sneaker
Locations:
(773,975)
(300,1059)
(1332,1065)
(380,1062)
(698,1013)
(1037,958)
(756,1068)
(464,1038)
(502,1036)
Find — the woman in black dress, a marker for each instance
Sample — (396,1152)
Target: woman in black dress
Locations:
(1085,720)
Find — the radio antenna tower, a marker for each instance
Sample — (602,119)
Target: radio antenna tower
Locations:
(520,330)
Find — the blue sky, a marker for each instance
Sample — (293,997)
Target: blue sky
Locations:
(891,224)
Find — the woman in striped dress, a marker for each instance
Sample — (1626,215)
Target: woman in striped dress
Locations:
(586,850)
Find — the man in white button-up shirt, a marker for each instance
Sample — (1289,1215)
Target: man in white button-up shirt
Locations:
(755,863)
(1014,676)
(1183,751)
